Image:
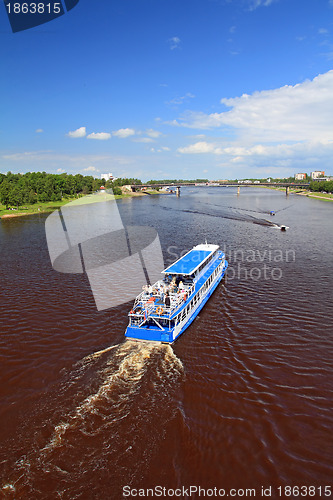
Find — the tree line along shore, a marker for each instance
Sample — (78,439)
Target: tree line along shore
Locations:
(38,192)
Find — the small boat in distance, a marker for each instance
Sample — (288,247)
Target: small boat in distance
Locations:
(163,311)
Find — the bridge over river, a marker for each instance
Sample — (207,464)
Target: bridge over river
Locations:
(177,186)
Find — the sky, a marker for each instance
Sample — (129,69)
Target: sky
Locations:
(160,89)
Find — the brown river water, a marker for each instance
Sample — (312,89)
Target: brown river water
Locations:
(240,406)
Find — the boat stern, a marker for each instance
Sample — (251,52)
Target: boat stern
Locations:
(149,334)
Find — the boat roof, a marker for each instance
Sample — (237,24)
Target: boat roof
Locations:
(190,262)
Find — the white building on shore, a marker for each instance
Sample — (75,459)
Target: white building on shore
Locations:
(108,177)
(317,174)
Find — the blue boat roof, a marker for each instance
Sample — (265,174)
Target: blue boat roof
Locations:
(188,263)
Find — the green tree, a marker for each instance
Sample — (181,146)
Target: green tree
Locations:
(78,178)
(125,181)
(4,193)
(97,183)
(87,184)
(16,196)
(116,190)
(32,187)
(32,197)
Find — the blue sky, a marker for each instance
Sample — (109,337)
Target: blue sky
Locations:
(170,89)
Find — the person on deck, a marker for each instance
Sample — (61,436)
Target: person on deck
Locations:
(167,300)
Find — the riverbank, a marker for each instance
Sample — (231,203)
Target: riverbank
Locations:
(304,192)
(36,208)
(321,196)
(50,206)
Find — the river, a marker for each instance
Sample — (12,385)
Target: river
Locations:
(242,401)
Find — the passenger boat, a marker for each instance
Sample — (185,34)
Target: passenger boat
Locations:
(163,311)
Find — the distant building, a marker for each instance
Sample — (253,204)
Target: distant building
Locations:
(300,177)
(316,174)
(327,178)
(107,177)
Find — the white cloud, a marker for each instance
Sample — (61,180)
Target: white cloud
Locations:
(163,149)
(31,161)
(174,42)
(100,136)
(79,132)
(27,155)
(153,133)
(123,133)
(143,139)
(284,158)
(199,148)
(198,136)
(300,112)
(90,169)
(254,4)
(181,99)
(55,159)
(39,131)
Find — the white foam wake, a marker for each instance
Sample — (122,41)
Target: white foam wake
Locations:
(121,378)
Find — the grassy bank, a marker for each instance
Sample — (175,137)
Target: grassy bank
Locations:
(50,206)
(305,192)
(322,196)
(36,208)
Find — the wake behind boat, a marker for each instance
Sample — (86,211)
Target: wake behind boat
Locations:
(163,311)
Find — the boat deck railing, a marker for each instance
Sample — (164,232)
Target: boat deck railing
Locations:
(153,303)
